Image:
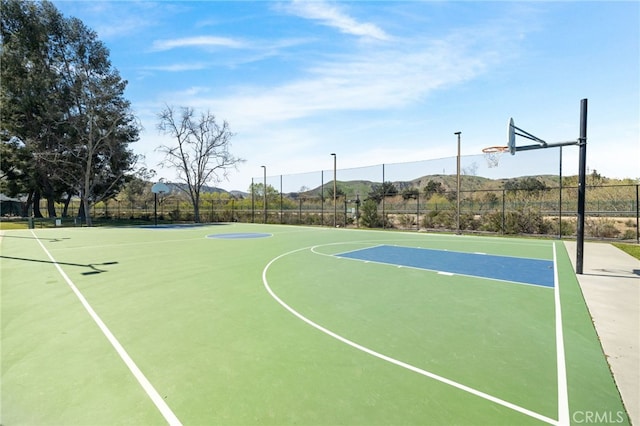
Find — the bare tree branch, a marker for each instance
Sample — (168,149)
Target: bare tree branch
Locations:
(201,154)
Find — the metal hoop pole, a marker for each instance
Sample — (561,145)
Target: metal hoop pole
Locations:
(581,187)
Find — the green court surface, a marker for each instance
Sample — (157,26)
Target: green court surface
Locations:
(267,325)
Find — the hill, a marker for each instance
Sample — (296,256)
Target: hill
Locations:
(448,182)
(177,187)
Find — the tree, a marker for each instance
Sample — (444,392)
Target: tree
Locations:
(528,184)
(15,169)
(339,191)
(490,198)
(201,153)
(378,192)
(138,186)
(369,214)
(257,189)
(432,187)
(595,178)
(99,124)
(63,100)
(30,93)
(471,169)
(411,193)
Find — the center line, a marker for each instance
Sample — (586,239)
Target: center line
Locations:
(159,402)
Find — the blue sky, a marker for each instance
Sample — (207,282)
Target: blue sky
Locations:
(381,82)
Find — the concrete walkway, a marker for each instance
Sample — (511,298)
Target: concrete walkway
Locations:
(611,287)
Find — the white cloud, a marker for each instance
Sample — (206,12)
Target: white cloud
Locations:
(198,41)
(112,21)
(332,16)
(176,67)
(369,79)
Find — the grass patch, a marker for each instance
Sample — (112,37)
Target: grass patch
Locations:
(632,249)
(12,225)
(67,222)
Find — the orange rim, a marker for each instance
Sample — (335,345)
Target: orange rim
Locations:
(495,149)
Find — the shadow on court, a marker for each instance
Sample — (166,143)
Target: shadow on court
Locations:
(51,240)
(92,266)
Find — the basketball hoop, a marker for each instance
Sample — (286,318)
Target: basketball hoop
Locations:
(493,153)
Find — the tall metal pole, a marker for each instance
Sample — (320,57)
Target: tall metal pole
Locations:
(345,212)
(253,202)
(322,197)
(458,186)
(503,210)
(358,209)
(264,192)
(637,215)
(335,209)
(281,200)
(418,211)
(581,186)
(384,195)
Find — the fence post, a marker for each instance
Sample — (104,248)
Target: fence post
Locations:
(418,211)
(345,212)
(322,197)
(384,195)
(280,199)
(503,218)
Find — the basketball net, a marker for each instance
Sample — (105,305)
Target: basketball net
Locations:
(493,153)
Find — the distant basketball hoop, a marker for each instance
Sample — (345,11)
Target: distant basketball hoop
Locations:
(158,188)
(493,153)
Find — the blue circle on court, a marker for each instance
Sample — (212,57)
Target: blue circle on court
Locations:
(239,235)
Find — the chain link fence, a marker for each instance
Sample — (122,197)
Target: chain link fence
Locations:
(420,196)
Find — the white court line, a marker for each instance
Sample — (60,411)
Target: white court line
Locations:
(394,361)
(354,250)
(159,402)
(563,393)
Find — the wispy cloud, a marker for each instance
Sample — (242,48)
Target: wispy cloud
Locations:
(368,80)
(365,77)
(332,15)
(112,21)
(198,41)
(179,67)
